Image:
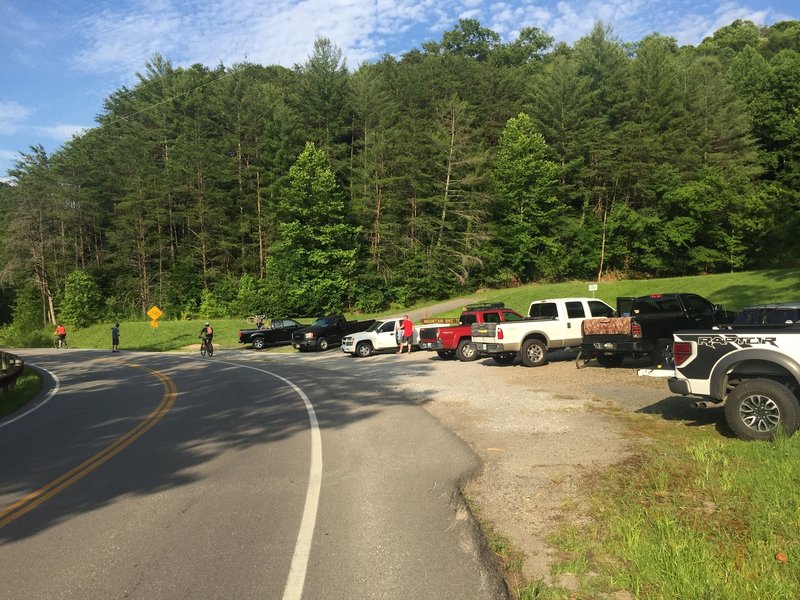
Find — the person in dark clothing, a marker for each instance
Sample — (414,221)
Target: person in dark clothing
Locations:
(115,338)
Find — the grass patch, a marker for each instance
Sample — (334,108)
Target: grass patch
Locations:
(28,384)
(733,290)
(694,516)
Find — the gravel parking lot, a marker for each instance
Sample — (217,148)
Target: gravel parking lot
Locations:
(540,431)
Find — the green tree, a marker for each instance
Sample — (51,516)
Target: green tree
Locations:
(525,179)
(314,255)
(82,304)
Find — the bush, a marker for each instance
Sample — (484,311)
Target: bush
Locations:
(83,303)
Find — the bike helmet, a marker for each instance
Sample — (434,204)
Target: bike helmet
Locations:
(206,325)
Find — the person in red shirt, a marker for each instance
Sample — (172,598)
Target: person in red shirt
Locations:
(408,330)
(61,334)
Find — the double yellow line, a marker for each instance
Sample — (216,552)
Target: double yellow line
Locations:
(34,499)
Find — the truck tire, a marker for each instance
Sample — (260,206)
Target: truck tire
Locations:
(756,408)
(446,354)
(363,349)
(610,361)
(467,351)
(504,359)
(259,343)
(661,355)
(534,353)
(322,344)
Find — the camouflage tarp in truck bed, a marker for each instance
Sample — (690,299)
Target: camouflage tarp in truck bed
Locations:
(607,326)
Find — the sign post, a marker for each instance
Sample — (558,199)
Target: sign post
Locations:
(593,288)
(154,313)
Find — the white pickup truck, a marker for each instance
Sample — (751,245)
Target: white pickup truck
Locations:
(381,336)
(751,370)
(550,324)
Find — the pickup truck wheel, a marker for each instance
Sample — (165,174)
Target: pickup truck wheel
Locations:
(467,351)
(662,353)
(259,343)
(756,408)
(322,344)
(610,361)
(364,349)
(534,353)
(504,359)
(446,354)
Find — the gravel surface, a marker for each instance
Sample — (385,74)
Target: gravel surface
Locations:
(540,432)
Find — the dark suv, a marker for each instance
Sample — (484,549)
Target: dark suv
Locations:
(780,313)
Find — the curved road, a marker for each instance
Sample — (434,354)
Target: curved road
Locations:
(242,476)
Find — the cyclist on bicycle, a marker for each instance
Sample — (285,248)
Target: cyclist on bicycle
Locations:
(61,334)
(207,333)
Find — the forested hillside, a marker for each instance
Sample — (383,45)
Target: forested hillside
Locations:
(221,191)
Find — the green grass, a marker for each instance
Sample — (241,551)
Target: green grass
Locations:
(733,290)
(27,386)
(693,516)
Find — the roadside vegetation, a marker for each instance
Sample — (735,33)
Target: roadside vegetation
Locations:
(693,515)
(27,386)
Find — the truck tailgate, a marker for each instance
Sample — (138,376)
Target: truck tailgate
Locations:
(484,330)
(607,326)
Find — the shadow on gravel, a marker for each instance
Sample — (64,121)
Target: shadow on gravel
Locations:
(677,408)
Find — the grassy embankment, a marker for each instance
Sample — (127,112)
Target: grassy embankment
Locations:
(27,386)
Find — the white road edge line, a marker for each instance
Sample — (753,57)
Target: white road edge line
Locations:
(302,549)
(50,394)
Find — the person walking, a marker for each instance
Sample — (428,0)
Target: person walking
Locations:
(115,338)
(408,330)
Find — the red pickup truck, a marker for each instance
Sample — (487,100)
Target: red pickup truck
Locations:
(456,340)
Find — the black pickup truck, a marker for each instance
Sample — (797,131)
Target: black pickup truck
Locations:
(645,326)
(326,332)
(278,331)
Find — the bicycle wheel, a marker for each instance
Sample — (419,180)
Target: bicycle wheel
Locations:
(202,348)
(252,320)
(210,349)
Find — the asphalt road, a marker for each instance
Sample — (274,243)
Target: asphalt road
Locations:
(247,475)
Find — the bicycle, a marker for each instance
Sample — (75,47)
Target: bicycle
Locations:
(59,343)
(206,347)
(256,319)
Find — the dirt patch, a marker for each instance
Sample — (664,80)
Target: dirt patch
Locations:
(539,432)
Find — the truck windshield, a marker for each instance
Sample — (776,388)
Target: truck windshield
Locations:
(375,326)
(323,322)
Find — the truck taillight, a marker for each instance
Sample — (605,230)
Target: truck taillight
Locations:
(499,333)
(636,329)
(240,334)
(681,352)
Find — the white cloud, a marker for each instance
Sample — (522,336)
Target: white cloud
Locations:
(229,32)
(12,117)
(61,133)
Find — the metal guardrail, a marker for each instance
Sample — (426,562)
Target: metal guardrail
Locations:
(11,367)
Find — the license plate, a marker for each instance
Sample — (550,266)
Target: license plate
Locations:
(296,345)
(483,346)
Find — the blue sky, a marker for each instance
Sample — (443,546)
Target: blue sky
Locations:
(60,59)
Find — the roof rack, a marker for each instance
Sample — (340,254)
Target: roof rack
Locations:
(485,305)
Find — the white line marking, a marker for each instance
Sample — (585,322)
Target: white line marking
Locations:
(302,549)
(50,394)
